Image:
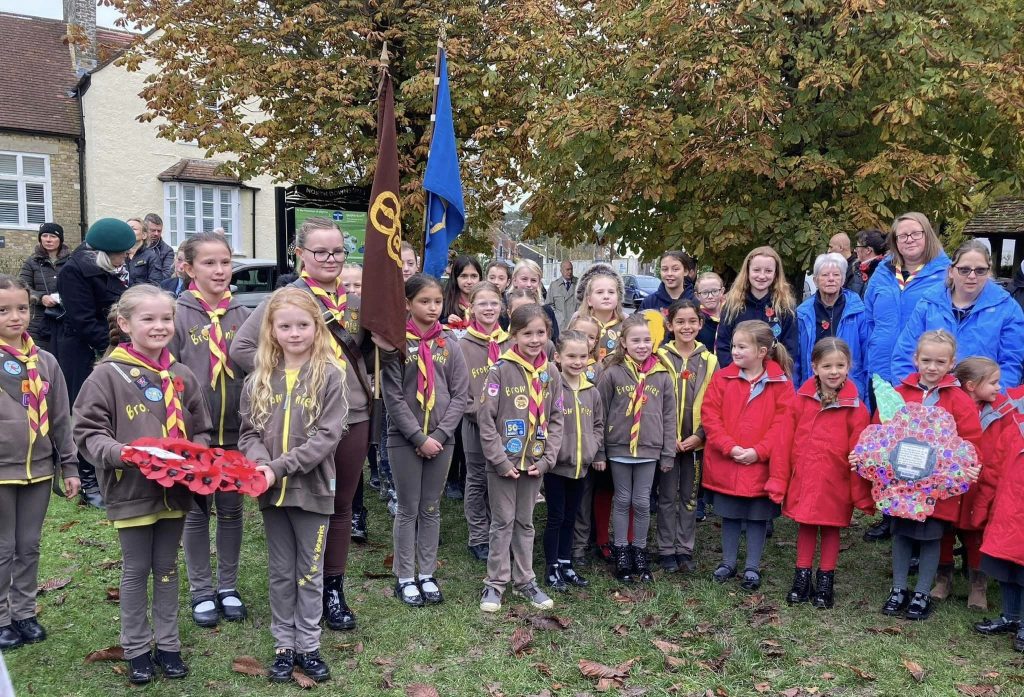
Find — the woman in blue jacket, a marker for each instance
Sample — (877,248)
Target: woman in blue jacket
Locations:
(916,265)
(983,317)
(832,311)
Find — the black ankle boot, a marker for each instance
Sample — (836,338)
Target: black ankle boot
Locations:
(141,669)
(554,579)
(281,669)
(337,614)
(359,533)
(171,664)
(879,531)
(9,638)
(824,596)
(623,563)
(89,494)
(641,565)
(313,665)
(30,630)
(801,590)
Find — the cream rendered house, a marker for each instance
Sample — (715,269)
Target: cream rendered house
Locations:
(130,171)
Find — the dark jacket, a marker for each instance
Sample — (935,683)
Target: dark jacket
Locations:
(857,278)
(164,261)
(174,285)
(1017,287)
(39,273)
(783,326)
(144,267)
(87,293)
(661,300)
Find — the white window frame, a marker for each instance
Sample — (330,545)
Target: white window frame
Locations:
(175,218)
(22,179)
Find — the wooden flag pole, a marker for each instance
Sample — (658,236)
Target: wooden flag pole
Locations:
(441,36)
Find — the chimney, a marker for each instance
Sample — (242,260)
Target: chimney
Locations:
(80,16)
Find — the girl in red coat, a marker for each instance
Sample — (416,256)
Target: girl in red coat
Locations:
(979,378)
(817,488)
(932,386)
(999,510)
(747,419)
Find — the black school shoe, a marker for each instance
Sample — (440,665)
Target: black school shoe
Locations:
(415,600)
(480,551)
(313,665)
(751,580)
(920,607)
(554,580)
(431,597)
(999,625)
(281,669)
(896,602)
(337,615)
(686,562)
(572,578)
(30,630)
(9,638)
(359,532)
(205,618)
(1018,641)
(171,664)
(232,613)
(801,591)
(141,669)
(668,563)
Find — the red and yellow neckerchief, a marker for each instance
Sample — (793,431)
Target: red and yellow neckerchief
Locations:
(493,339)
(536,375)
(334,301)
(904,282)
(174,421)
(218,344)
(639,372)
(424,365)
(28,353)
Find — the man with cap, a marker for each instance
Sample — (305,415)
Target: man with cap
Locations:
(164,252)
(89,286)
(39,273)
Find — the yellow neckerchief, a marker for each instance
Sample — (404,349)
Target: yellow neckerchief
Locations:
(493,341)
(584,385)
(335,302)
(218,345)
(682,382)
(38,420)
(899,274)
(174,421)
(635,405)
(536,377)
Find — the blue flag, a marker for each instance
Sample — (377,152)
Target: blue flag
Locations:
(442,183)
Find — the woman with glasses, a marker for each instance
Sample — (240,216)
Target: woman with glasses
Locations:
(983,317)
(832,312)
(915,265)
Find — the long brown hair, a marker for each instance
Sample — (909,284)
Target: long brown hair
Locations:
(782,294)
(618,356)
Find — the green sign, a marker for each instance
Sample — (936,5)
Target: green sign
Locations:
(352,223)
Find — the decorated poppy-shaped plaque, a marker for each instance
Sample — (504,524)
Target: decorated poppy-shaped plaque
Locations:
(914,459)
(177,462)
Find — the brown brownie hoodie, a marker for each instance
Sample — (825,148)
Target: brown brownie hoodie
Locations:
(657,417)
(582,428)
(474,352)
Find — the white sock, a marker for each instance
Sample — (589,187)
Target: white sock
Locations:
(428,586)
(565,562)
(231,600)
(206,606)
(409,591)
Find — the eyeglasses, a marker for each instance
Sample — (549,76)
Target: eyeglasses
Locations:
(322,255)
(911,236)
(484,304)
(710,293)
(966,271)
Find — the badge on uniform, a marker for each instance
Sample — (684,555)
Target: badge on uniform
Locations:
(776,330)
(514,446)
(610,344)
(493,388)
(544,377)
(135,372)
(153,394)
(515,427)
(589,372)
(142,383)
(12,367)
(538,449)
(521,402)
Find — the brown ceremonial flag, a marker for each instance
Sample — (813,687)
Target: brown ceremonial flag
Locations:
(383,300)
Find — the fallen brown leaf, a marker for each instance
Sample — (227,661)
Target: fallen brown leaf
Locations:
(119,669)
(356,648)
(247,665)
(608,677)
(990,675)
(828,676)
(53,584)
(384,661)
(982,690)
(666,647)
(620,630)
(389,561)
(113,594)
(520,640)
(673,662)
(542,668)
(859,672)
(418,689)
(387,681)
(892,630)
(111,653)
(68,525)
(110,564)
(650,620)
(715,665)
(302,680)
(494,690)
(550,622)
(762,687)
(765,615)
(753,600)
(771,649)
(915,669)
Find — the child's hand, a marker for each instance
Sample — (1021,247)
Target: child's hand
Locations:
(972,473)
(512,474)
(599,466)
(667,468)
(736,452)
(853,460)
(430,448)
(746,456)
(533,471)
(268,474)
(71,487)
(453,318)
(691,443)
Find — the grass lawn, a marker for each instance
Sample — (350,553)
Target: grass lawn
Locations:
(720,640)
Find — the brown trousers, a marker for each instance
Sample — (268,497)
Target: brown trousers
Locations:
(150,551)
(677,510)
(348,463)
(419,483)
(511,534)
(22,510)
(295,550)
(229,545)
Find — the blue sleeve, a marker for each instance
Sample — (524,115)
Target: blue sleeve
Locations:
(723,342)
(1011,346)
(901,363)
(798,361)
(861,375)
(878,349)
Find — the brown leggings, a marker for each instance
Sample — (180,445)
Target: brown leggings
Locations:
(348,461)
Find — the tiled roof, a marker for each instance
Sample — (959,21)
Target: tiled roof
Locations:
(205,171)
(1005,216)
(36,73)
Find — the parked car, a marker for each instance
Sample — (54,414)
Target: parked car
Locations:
(637,288)
(252,280)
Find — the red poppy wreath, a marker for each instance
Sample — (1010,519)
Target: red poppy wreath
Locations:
(171,461)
